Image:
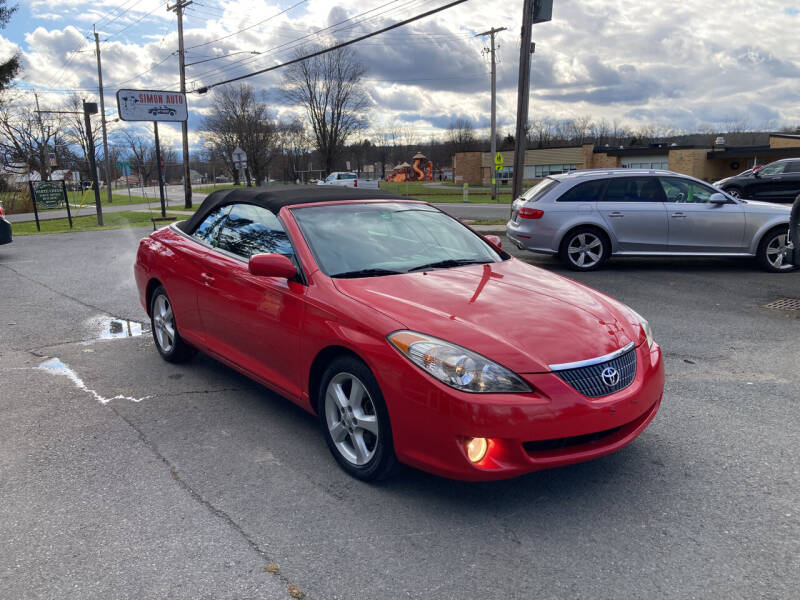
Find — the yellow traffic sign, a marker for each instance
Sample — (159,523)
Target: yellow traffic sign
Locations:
(498,162)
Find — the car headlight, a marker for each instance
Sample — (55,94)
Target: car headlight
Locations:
(645,325)
(455,366)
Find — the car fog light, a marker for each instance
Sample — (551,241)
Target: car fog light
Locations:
(476,449)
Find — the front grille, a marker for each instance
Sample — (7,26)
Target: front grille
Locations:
(589,380)
(567,442)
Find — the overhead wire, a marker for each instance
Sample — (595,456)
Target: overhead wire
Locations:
(294,42)
(224,37)
(338,46)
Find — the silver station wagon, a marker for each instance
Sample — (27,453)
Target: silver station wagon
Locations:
(586,216)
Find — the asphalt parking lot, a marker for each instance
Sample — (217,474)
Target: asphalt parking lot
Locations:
(123,476)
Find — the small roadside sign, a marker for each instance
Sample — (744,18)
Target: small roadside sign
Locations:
(49,194)
(498,162)
(239,157)
(151,105)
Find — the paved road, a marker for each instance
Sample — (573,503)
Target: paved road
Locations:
(460,210)
(194,479)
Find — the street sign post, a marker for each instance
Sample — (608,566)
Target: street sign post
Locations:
(498,166)
(239,157)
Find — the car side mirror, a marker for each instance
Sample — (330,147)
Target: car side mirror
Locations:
(717,198)
(271,265)
(495,240)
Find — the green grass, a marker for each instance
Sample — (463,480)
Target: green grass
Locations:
(421,191)
(89,223)
(207,189)
(487,222)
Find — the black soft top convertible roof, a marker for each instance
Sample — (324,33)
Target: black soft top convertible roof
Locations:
(276,197)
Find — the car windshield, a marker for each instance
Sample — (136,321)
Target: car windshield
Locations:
(387,238)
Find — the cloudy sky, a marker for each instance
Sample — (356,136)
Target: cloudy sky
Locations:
(669,62)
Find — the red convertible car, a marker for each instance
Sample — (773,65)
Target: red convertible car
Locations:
(413,338)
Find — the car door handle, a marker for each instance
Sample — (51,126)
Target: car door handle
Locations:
(207,279)
(678,215)
(616,215)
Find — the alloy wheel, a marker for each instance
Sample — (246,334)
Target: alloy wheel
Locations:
(164,324)
(351,419)
(778,252)
(585,250)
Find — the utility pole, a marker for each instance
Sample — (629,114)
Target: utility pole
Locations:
(103,114)
(90,108)
(533,11)
(492,33)
(523,92)
(187,180)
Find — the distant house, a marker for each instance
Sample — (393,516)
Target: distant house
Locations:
(194,177)
(16,174)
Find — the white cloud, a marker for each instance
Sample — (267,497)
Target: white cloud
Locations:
(670,62)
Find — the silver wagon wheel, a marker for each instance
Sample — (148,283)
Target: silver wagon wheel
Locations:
(351,419)
(585,250)
(777,252)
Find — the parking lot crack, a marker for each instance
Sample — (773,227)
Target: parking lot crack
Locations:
(203,501)
(57,292)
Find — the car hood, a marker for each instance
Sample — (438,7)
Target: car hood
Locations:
(520,316)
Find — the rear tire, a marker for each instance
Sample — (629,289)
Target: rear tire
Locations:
(169,343)
(355,421)
(584,249)
(772,255)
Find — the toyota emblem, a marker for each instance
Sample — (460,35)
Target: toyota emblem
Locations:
(610,376)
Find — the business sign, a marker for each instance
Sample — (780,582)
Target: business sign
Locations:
(149,105)
(49,194)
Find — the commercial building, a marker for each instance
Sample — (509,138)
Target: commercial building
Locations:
(707,163)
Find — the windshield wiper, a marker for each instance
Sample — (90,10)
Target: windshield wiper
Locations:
(366,273)
(451,262)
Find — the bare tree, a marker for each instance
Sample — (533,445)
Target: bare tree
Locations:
(29,137)
(461,135)
(142,155)
(294,143)
(329,89)
(239,117)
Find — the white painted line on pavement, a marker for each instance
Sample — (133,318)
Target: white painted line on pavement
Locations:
(55,367)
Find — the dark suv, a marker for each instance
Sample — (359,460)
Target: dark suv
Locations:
(777,182)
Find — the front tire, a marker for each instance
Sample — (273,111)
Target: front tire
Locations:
(355,421)
(584,249)
(734,191)
(773,254)
(169,343)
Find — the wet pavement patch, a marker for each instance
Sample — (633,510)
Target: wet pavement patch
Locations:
(109,328)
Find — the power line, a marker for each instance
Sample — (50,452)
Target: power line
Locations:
(337,46)
(224,37)
(162,61)
(136,22)
(293,43)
